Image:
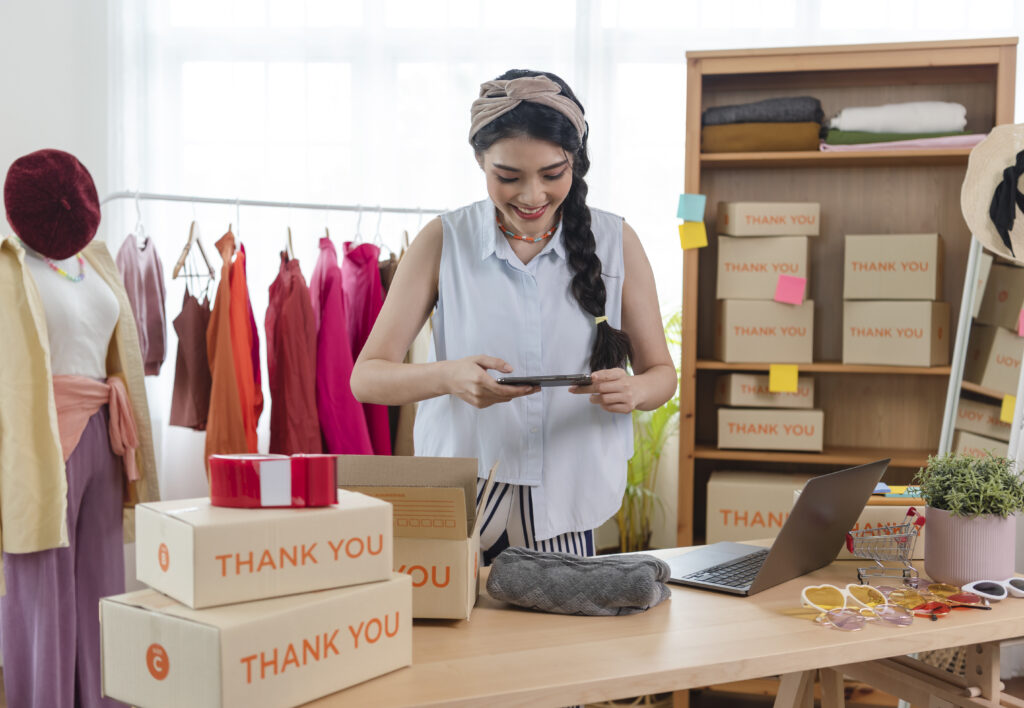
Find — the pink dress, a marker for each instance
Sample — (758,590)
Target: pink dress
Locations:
(364,296)
(342,420)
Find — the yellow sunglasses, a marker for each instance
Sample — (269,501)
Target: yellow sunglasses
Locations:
(851,607)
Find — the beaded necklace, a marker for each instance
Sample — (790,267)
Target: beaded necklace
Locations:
(60,271)
(529,239)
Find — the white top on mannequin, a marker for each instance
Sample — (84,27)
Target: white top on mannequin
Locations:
(80,317)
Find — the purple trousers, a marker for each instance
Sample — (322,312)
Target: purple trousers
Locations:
(50,615)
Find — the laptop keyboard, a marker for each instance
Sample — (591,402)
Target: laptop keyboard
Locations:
(739,573)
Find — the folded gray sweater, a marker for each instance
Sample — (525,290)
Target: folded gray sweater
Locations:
(570,585)
(794,109)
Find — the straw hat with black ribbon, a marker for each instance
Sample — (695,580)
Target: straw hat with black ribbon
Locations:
(991,198)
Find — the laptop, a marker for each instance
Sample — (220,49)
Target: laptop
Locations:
(812,536)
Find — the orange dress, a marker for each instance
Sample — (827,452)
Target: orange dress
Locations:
(244,341)
(225,430)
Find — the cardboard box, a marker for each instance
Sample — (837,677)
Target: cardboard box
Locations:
(886,518)
(749,331)
(896,333)
(893,267)
(751,391)
(977,445)
(770,429)
(769,218)
(263,654)
(744,506)
(1004,296)
(436,524)
(984,268)
(981,419)
(204,555)
(993,358)
(750,268)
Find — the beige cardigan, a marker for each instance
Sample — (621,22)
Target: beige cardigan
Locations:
(33,486)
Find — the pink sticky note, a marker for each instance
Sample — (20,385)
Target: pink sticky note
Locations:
(790,289)
(1020,324)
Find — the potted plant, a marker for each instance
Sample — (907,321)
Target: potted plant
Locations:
(651,431)
(970,507)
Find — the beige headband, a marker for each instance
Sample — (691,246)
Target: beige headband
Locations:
(499,97)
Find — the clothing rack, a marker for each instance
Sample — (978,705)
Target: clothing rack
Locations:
(152,196)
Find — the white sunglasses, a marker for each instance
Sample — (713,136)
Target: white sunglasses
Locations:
(996,590)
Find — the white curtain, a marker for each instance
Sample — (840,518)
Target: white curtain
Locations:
(367,102)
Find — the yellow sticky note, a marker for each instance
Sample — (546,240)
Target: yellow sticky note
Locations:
(692,234)
(782,378)
(1009,406)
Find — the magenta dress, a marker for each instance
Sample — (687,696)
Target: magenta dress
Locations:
(342,420)
(364,296)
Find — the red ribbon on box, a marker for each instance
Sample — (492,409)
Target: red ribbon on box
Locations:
(255,481)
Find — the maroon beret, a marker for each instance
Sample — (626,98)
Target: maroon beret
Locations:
(51,203)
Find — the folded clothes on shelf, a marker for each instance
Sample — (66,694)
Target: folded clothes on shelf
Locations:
(909,117)
(789,109)
(858,137)
(760,137)
(960,140)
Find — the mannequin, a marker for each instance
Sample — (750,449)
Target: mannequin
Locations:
(79,446)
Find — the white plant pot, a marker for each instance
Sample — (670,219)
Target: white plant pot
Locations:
(964,549)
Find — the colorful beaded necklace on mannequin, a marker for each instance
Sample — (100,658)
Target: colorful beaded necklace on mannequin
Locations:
(57,269)
(529,239)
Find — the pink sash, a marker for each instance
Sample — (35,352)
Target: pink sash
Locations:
(78,398)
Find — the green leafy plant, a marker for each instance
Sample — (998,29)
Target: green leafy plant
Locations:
(651,431)
(971,486)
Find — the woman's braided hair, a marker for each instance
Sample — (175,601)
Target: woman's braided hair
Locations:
(611,346)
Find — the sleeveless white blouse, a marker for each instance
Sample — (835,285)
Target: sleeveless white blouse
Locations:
(569,450)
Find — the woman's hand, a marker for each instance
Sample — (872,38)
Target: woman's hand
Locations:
(612,389)
(468,379)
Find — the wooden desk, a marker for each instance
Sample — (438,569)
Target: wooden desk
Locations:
(504,656)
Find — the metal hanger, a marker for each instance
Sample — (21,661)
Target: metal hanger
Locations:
(378,240)
(140,229)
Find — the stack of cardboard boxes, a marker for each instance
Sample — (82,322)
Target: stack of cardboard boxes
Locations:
(891,313)
(762,317)
(436,524)
(992,361)
(257,607)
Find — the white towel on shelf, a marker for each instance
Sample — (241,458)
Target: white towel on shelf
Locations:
(913,117)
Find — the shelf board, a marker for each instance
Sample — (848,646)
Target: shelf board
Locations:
(832,455)
(981,390)
(818,158)
(828,367)
(856,693)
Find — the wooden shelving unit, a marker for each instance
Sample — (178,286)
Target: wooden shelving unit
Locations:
(871,412)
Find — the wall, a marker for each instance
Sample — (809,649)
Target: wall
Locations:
(55,81)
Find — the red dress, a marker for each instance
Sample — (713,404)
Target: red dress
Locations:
(291,364)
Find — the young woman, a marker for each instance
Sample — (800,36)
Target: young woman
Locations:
(530,281)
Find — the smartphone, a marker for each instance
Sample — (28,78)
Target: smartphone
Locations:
(560,380)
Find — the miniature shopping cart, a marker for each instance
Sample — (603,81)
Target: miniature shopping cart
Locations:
(892,545)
